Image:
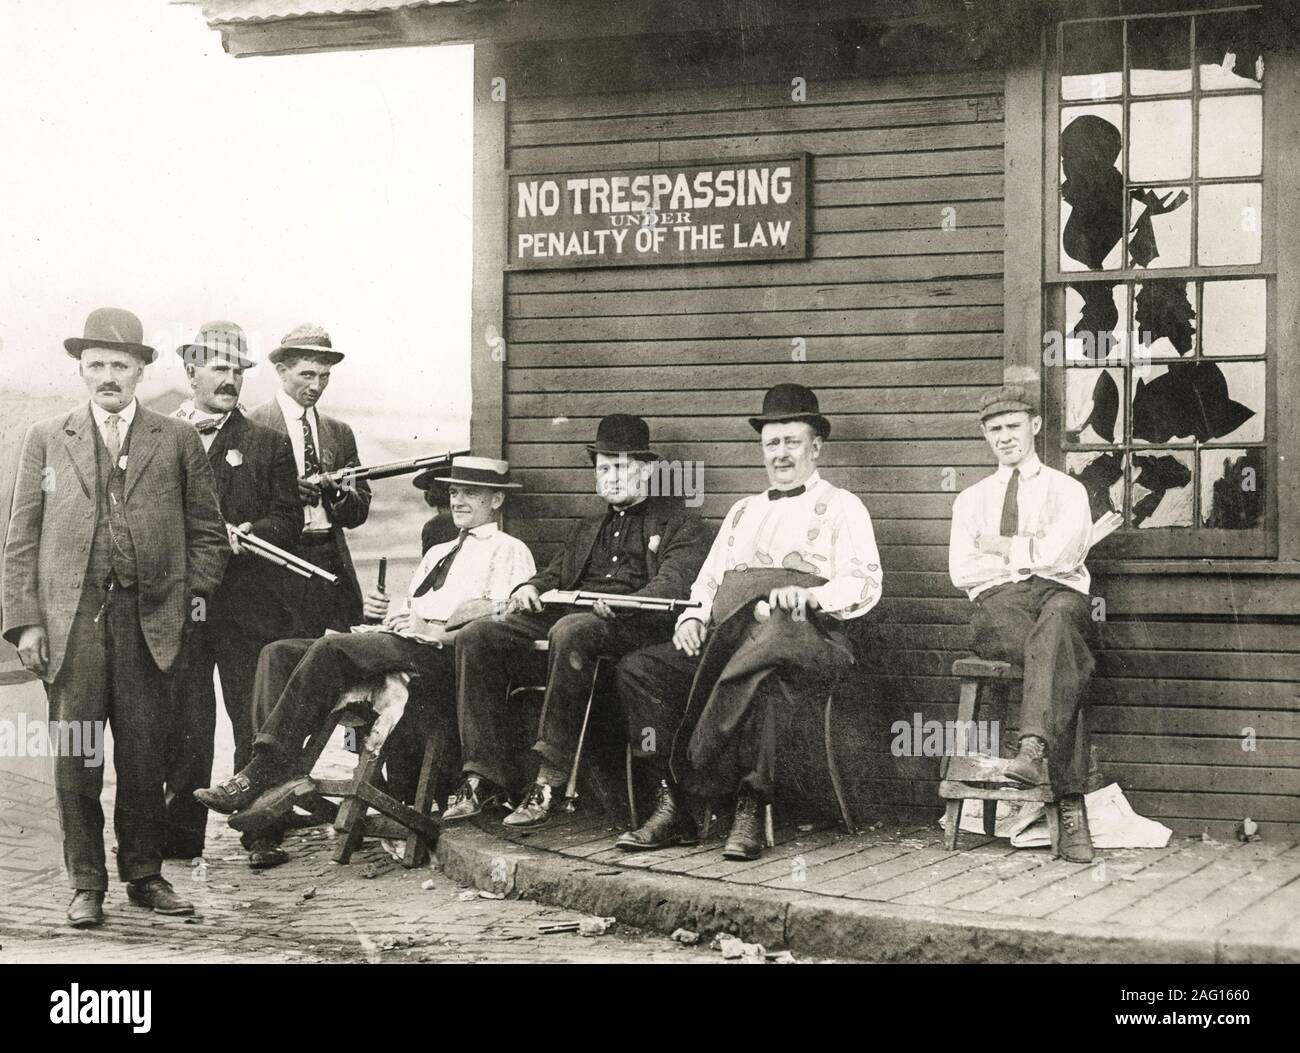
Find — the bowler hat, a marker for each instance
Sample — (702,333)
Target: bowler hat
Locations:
(479,471)
(623,433)
(310,340)
(217,340)
(1010,398)
(786,402)
(114,330)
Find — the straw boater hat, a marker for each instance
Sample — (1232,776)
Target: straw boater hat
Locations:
(114,330)
(307,339)
(217,340)
(480,471)
(786,402)
(1010,398)
(623,434)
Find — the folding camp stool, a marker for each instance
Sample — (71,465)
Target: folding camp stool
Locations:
(571,787)
(975,777)
(397,821)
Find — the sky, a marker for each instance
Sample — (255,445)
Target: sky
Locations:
(142,167)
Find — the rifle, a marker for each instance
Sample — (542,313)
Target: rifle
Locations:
(265,550)
(347,478)
(578,598)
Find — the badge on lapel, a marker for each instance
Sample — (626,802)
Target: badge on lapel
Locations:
(234,458)
(653,545)
(121,463)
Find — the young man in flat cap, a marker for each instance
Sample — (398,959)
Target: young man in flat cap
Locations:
(1018,544)
(115,541)
(642,545)
(299,682)
(320,444)
(788,568)
(257,488)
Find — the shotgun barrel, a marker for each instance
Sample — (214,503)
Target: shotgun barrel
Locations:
(273,554)
(346,478)
(579,598)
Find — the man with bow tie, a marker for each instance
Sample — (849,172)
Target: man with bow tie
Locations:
(1019,540)
(789,567)
(300,682)
(321,444)
(115,543)
(258,492)
(641,545)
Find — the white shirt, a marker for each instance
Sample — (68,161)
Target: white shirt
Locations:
(1051,539)
(190,412)
(825,531)
(313,516)
(101,415)
(490,565)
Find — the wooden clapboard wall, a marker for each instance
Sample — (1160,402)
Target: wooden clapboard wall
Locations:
(900,322)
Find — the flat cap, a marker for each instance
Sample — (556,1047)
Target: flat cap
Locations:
(1010,398)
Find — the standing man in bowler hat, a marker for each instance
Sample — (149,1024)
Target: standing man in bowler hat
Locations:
(115,541)
(790,566)
(320,444)
(257,488)
(641,545)
(1019,540)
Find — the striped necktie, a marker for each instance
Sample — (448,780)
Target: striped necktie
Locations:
(310,459)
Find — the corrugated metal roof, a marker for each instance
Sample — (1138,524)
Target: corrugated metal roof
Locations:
(219,11)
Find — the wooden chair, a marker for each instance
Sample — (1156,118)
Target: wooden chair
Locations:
(396,820)
(976,777)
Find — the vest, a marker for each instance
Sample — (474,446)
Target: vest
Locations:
(112,548)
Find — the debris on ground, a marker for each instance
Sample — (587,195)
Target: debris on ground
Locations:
(733,947)
(309,893)
(805,828)
(1248,830)
(685,937)
(1207,839)
(485,894)
(554,927)
(427,884)
(467,895)
(780,957)
(595,926)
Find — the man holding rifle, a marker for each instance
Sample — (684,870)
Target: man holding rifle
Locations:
(641,546)
(321,445)
(258,493)
(299,682)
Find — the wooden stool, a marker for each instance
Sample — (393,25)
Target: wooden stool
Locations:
(396,820)
(978,777)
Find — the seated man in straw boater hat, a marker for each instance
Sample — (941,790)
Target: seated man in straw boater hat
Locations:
(299,682)
(641,545)
(789,567)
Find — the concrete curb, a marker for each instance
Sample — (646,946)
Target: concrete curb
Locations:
(818,926)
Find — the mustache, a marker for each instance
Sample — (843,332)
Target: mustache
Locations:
(227,389)
(108,387)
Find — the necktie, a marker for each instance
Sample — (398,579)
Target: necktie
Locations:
(113,437)
(776,495)
(436,577)
(310,459)
(1011,506)
(208,425)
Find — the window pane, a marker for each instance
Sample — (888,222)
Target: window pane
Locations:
(1229,50)
(1096,317)
(1093,413)
(1229,224)
(1160,55)
(1092,60)
(1102,475)
(1200,400)
(1232,136)
(1160,140)
(1164,319)
(1235,411)
(1161,489)
(1092,188)
(1233,317)
(1232,488)
(1160,227)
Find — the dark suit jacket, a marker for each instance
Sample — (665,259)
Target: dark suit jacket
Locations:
(684,540)
(256,483)
(171,510)
(338,449)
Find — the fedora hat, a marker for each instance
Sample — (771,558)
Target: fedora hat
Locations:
(115,330)
(308,339)
(479,471)
(217,340)
(786,402)
(623,433)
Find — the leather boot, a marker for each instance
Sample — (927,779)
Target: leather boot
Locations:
(1028,768)
(746,838)
(86,909)
(156,893)
(670,823)
(1075,839)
